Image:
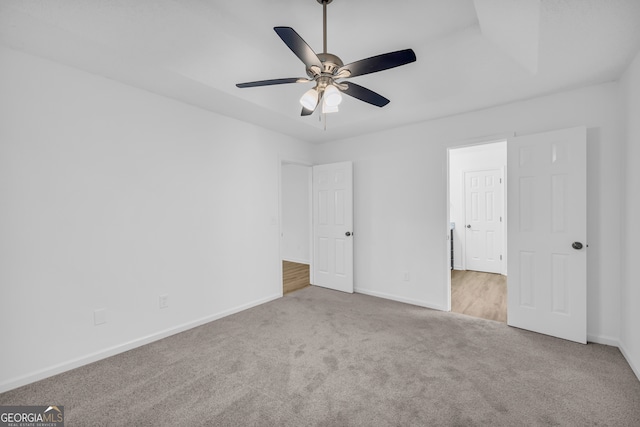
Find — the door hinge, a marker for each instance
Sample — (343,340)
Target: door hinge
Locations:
(500,180)
(500,257)
(500,219)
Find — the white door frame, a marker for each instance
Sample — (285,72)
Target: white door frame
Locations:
(286,161)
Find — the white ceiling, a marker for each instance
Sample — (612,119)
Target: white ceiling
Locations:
(470,54)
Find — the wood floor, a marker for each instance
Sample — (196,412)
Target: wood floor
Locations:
(473,293)
(294,276)
(479,294)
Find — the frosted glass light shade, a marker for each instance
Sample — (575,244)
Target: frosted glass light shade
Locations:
(329,109)
(310,99)
(332,96)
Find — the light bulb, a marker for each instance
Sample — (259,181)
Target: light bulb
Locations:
(332,96)
(310,99)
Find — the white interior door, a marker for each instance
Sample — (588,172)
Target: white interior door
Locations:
(333,226)
(484,220)
(547,231)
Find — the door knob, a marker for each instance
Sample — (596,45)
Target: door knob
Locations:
(348,233)
(576,245)
(469,226)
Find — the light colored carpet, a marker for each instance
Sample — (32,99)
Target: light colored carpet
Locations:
(320,357)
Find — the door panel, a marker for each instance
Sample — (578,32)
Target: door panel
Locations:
(547,211)
(484,227)
(332,220)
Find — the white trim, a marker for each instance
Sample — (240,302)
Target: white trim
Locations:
(604,340)
(399,299)
(449,248)
(625,354)
(505,219)
(467,143)
(121,348)
(311,245)
(463,237)
(297,261)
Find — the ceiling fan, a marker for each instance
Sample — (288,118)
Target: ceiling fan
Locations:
(328,71)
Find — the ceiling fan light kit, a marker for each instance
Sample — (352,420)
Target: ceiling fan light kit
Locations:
(310,99)
(332,97)
(326,69)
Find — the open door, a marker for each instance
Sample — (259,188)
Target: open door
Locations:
(333,226)
(547,232)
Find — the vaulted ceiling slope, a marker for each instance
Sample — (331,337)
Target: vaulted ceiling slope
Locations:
(471,54)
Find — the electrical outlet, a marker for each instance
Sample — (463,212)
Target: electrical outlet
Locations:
(163,301)
(405,276)
(99,316)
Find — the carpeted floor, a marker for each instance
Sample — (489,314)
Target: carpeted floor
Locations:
(320,357)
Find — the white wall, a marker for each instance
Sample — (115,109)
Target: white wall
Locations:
(296,213)
(400,197)
(111,196)
(461,160)
(630,313)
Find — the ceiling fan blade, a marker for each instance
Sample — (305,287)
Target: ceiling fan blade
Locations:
(298,46)
(379,62)
(364,94)
(306,112)
(273,82)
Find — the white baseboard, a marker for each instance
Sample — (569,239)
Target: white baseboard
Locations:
(601,339)
(399,299)
(121,348)
(625,354)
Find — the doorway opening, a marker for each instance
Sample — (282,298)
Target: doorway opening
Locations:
(477,214)
(295,225)
(295,276)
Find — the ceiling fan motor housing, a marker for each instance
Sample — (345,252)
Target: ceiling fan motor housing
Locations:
(330,64)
